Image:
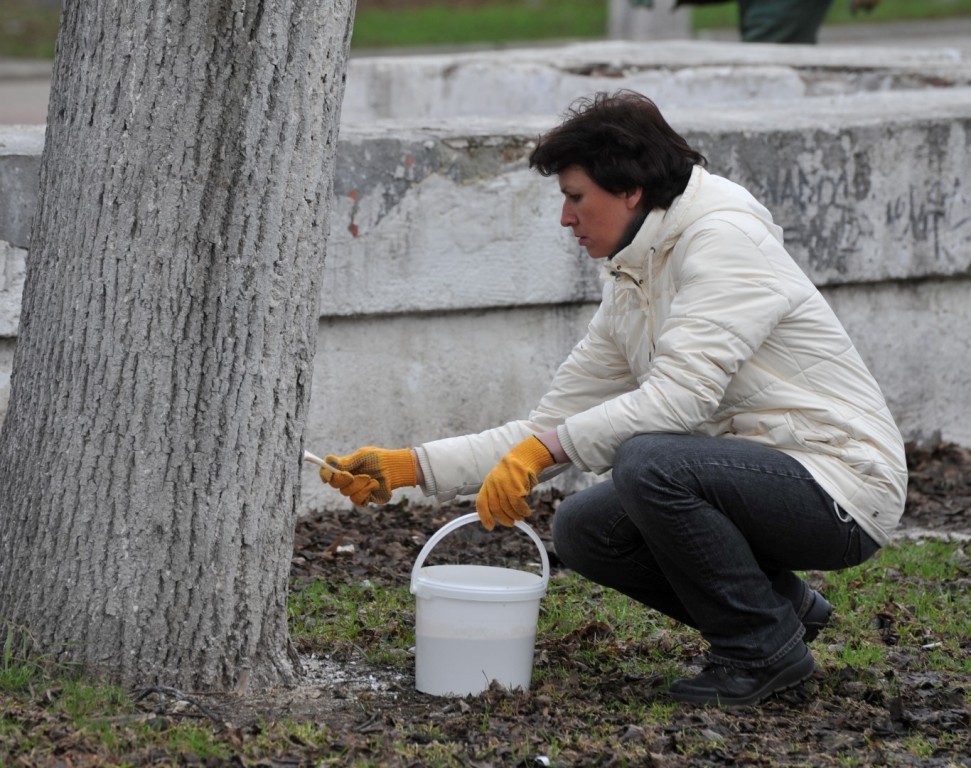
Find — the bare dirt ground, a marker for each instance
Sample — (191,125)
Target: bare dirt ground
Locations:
(373,707)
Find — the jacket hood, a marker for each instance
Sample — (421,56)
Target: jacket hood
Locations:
(705,194)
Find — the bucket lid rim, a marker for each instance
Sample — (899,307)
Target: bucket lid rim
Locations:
(480,592)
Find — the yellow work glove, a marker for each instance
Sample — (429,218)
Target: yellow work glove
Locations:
(502,497)
(369,474)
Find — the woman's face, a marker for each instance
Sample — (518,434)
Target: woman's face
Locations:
(598,218)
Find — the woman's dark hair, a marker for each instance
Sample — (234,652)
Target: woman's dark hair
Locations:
(622,142)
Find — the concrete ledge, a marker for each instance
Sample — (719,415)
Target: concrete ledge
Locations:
(20,150)
(13,267)
(543,81)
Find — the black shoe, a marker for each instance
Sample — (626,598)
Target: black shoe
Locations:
(817,617)
(720,685)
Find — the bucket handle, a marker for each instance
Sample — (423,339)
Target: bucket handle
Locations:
(458,522)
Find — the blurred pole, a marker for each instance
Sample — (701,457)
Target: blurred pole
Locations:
(637,22)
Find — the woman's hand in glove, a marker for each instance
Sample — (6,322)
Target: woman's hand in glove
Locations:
(502,497)
(369,475)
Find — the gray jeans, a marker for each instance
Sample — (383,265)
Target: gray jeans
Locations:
(709,531)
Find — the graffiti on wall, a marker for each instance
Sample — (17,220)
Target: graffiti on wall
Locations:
(821,213)
(937,216)
(829,224)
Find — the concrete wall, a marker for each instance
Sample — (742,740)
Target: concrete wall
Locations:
(450,293)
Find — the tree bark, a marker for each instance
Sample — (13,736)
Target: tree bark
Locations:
(150,456)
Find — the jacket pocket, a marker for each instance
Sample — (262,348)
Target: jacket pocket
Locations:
(790,430)
(815,437)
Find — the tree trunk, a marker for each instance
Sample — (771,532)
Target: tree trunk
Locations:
(150,457)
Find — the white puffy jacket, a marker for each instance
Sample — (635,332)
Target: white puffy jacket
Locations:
(707,326)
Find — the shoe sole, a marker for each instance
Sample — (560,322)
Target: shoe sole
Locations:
(787,678)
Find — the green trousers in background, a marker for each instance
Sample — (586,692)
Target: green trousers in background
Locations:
(781,21)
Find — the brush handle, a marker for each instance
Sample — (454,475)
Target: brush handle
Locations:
(330,468)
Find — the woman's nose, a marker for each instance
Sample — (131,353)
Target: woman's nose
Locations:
(567,216)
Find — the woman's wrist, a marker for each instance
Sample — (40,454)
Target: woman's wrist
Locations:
(419,474)
(552,442)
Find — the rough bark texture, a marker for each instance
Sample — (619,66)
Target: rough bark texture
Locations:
(149,461)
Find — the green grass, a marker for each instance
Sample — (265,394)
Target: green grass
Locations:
(904,597)
(354,620)
(28,31)
(908,602)
(499,22)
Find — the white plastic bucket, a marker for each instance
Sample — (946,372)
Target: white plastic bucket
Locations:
(474,623)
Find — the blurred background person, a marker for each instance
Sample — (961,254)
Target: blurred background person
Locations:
(778,21)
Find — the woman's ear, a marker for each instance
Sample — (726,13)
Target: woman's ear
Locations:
(634,197)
